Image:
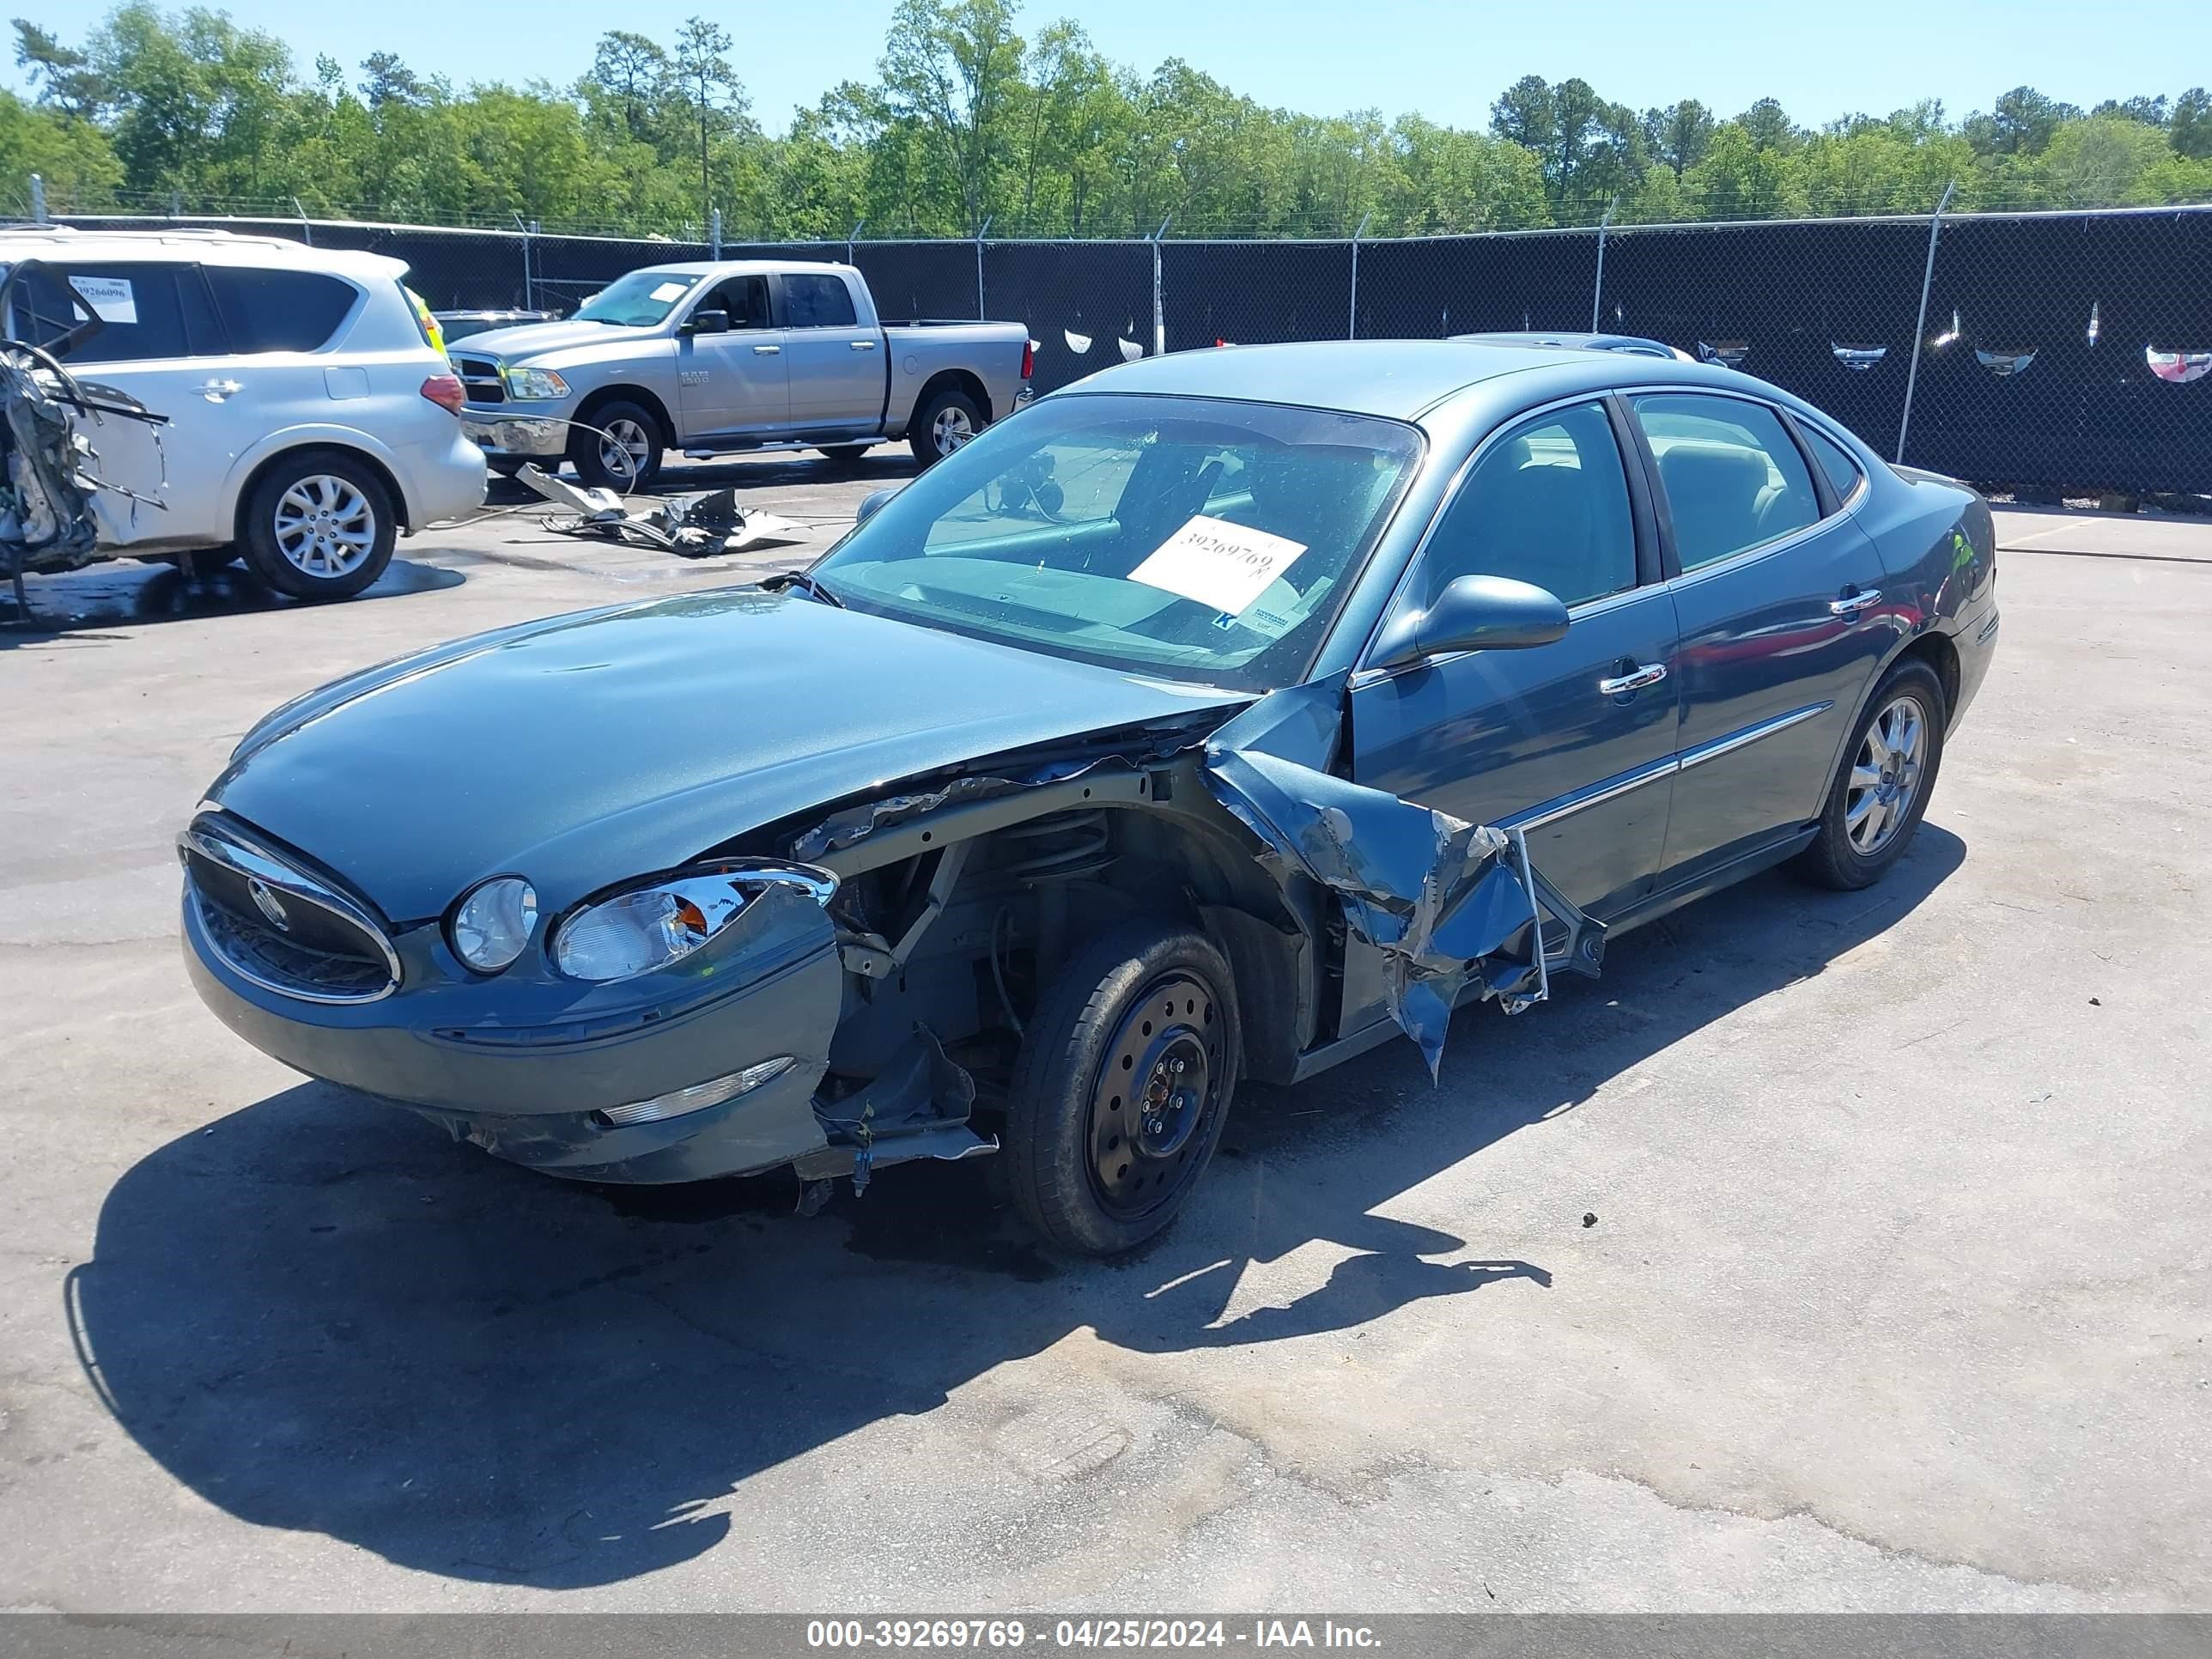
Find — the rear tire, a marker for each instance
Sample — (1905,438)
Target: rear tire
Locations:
(1118,1104)
(1881,792)
(622,429)
(320,525)
(943,424)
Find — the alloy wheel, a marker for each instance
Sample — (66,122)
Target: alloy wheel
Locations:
(1885,775)
(951,429)
(624,448)
(325,526)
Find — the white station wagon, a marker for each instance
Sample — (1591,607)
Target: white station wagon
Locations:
(310,419)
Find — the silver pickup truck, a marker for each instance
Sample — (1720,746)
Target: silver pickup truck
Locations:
(716,358)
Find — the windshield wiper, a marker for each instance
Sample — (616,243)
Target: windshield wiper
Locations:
(805,583)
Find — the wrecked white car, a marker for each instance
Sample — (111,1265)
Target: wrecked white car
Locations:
(1215,718)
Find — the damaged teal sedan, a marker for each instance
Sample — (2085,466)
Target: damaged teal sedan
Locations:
(1217,718)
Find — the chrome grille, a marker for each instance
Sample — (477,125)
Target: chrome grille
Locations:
(480,379)
(281,927)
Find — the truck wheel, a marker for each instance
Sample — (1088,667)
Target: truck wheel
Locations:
(943,424)
(320,525)
(623,454)
(843,454)
(1122,1088)
(1881,790)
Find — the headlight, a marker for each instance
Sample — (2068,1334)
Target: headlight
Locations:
(535,383)
(493,923)
(651,927)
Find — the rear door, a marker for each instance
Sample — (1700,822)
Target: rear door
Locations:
(1778,595)
(161,343)
(1573,741)
(838,374)
(735,384)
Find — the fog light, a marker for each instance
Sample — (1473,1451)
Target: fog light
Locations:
(696,1098)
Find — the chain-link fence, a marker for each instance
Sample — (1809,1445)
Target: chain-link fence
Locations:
(2039,352)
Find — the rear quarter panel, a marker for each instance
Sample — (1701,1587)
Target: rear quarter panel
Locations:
(919,353)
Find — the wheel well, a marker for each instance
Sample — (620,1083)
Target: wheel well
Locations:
(1940,654)
(960,378)
(630,394)
(362,456)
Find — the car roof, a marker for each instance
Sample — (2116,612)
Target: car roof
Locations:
(1629,345)
(1403,379)
(740,267)
(223,247)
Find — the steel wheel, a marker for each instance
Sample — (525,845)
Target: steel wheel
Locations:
(1885,775)
(1163,1074)
(325,526)
(951,429)
(624,448)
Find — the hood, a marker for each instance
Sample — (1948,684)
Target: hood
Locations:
(582,750)
(528,340)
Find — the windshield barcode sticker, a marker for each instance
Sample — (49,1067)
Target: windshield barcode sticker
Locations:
(110,297)
(670,290)
(1222,566)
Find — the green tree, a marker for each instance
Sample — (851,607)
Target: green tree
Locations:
(950,67)
(700,66)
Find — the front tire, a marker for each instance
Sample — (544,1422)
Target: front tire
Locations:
(623,454)
(943,424)
(1122,1088)
(320,525)
(1881,792)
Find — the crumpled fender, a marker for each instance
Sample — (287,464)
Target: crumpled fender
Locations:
(1438,897)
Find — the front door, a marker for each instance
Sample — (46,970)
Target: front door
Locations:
(1573,741)
(735,384)
(1778,597)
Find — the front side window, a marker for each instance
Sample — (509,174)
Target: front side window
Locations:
(745,298)
(638,300)
(813,301)
(266,310)
(1177,537)
(1733,478)
(1548,504)
(146,311)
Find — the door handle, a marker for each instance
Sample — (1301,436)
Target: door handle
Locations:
(216,390)
(863,345)
(1851,604)
(766,352)
(1649,673)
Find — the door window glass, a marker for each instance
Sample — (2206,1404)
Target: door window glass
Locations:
(818,302)
(268,310)
(1835,460)
(1732,477)
(745,298)
(1548,504)
(143,311)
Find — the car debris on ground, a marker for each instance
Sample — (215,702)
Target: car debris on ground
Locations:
(692,527)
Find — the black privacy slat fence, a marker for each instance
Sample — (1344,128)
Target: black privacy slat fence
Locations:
(2060,351)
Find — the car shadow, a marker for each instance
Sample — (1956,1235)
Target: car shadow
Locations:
(320,1314)
(79,603)
(883,466)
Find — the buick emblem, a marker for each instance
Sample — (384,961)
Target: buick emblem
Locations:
(270,905)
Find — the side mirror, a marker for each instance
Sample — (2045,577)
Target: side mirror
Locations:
(871,501)
(1473,613)
(708,322)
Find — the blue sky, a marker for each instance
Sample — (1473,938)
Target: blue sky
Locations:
(1443,58)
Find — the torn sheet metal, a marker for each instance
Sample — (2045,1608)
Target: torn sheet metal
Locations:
(842,829)
(1438,897)
(692,527)
(923,1094)
(49,477)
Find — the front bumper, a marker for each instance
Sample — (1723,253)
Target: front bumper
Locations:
(527,1093)
(516,437)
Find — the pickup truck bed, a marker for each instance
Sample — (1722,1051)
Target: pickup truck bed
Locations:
(719,358)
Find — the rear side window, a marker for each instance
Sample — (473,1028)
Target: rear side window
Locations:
(279,310)
(1843,474)
(147,311)
(1733,478)
(818,302)
(1548,504)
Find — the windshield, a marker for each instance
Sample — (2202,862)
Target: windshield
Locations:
(638,300)
(1178,537)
